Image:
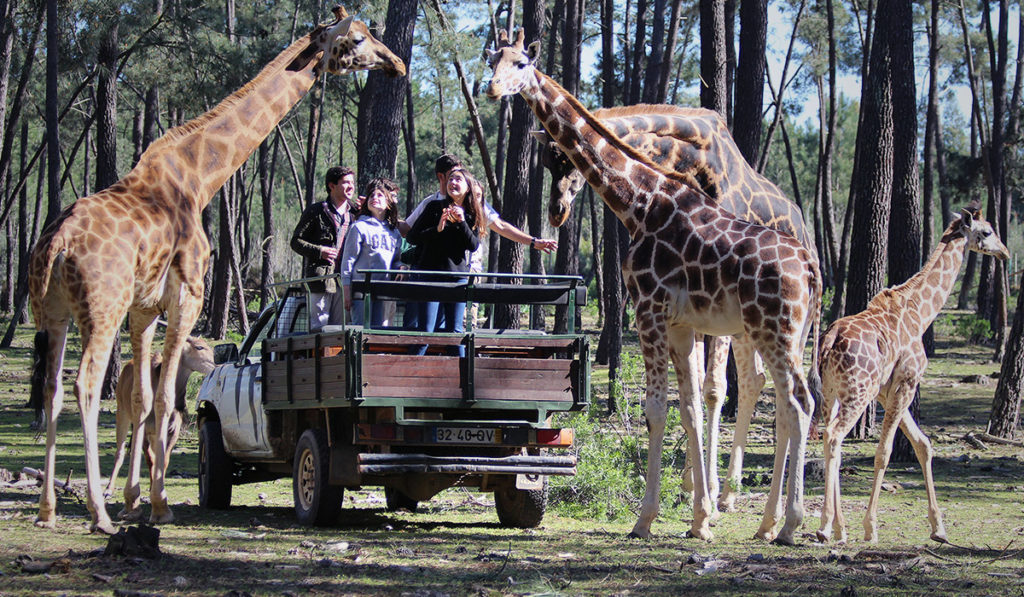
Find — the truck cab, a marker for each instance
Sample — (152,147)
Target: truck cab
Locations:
(350,407)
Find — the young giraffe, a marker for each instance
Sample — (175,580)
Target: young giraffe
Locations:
(697,144)
(691,267)
(138,247)
(878,353)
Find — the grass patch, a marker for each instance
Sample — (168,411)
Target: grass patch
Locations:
(455,546)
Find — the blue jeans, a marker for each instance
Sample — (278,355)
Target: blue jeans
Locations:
(441,317)
(376,313)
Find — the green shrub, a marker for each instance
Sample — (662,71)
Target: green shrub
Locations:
(971,328)
(611,452)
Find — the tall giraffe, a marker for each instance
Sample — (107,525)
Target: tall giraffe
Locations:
(878,353)
(691,267)
(697,144)
(138,248)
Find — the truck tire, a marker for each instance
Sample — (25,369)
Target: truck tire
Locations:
(520,508)
(215,468)
(396,500)
(316,502)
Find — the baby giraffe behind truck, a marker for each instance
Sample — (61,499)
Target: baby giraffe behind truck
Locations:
(197,356)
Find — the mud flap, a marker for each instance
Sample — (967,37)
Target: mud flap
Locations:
(529,481)
(344,466)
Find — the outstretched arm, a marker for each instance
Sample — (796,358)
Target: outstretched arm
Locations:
(514,234)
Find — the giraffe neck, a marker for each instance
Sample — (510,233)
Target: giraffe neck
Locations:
(204,152)
(611,167)
(927,290)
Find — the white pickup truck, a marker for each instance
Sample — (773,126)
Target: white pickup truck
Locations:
(349,407)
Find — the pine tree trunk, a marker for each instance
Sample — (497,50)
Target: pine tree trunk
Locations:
(106,162)
(567,261)
(905,217)
(516,195)
(1005,416)
(381,99)
(871,189)
(712,56)
(747,108)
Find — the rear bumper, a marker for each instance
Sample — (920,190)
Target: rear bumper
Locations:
(401,464)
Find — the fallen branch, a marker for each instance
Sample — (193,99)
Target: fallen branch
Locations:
(1000,440)
(971,439)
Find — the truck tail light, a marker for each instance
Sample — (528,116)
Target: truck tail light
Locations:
(555,437)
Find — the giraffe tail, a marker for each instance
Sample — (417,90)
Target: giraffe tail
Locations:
(41,262)
(814,379)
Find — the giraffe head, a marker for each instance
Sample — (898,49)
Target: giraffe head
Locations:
(512,65)
(980,236)
(197,356)
(566,180)
(346,45)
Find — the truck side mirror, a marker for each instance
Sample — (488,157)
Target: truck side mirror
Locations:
(225,353)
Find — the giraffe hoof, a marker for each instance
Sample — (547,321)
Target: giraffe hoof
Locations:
(767,536)
(940,537)
(702,534)
(821,537)
(639,532)
(132,515)
(46,523)
(782,539)
(106,527)
(165,518)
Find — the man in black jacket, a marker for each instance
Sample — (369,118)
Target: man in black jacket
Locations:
(318,238)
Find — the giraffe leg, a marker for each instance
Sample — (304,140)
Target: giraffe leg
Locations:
(750,381)
(801,405)
(680,345)
(96,344)
(143,327)
(837,427)
(923,450)
(123,423)
(55,337)
(697,362)
(179,325)
(714,398)
(654,347)
(882,454)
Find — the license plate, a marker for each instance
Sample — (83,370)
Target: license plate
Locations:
(466,435)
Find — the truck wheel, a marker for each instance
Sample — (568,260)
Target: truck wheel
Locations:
(520,508)
(396,500)
(215,468)
(316,502)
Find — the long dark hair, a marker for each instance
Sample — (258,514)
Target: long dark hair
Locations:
(390,189)
(472,203)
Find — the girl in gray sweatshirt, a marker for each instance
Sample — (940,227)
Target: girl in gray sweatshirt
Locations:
(373,242)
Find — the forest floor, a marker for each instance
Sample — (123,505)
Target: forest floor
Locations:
(454,546)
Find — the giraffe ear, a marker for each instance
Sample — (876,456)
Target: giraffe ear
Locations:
(540,136)
(966,217)
(533,51)
(341,29)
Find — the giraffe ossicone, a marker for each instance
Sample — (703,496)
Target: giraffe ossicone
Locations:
(692,267)
(138,248)
(878,354)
